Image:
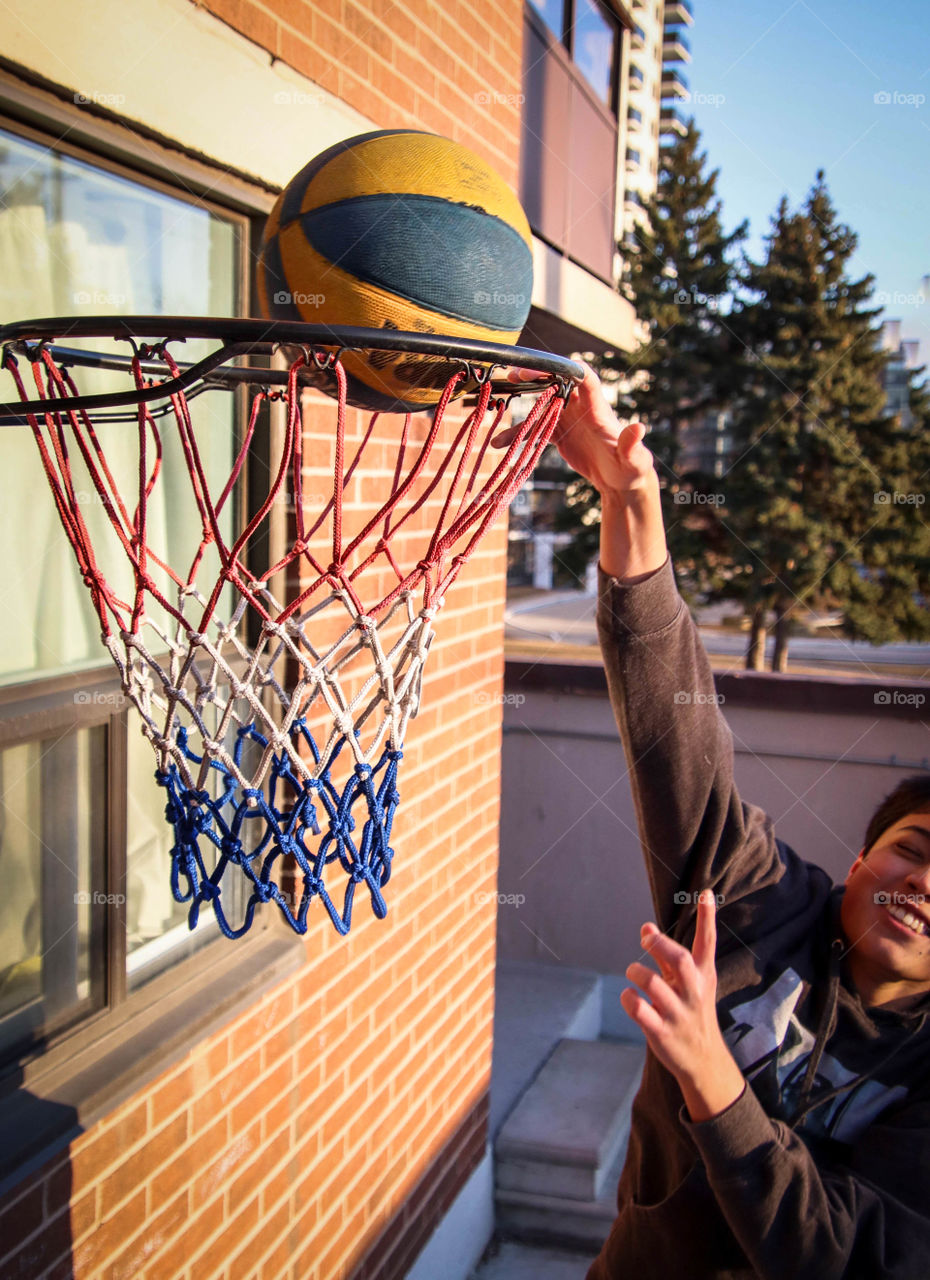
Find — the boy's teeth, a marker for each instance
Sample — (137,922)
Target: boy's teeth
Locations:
(905,917)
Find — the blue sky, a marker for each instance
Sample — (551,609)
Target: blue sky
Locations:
(784,87)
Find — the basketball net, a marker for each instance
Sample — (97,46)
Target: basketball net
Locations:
(279,723)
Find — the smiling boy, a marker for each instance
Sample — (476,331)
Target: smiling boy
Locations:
(782,1128)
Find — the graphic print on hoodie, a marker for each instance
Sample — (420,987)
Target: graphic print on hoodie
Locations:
(773,1048)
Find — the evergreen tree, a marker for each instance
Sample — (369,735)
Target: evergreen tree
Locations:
(812,446)
(680,278)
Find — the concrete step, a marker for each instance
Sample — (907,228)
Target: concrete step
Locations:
(536,1006)
(559,1154)
(511,1261)
(560,1220)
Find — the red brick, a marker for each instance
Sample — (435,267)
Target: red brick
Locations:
(110,1235)
(180,1252)
(223,1090)
(103,1148)
(83,1213)
(366,32)
(21,1217)
(210,1179)
(204,1145)
(246,1182)
(242,1263)
(157,1232)
(306,57)
(172,1095)
(263,1094)
(135,1169)
(41,1251)
(246,18)
(279,1188)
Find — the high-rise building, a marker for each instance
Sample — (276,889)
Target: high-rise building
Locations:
(904,358)
(601,80)
(655,85)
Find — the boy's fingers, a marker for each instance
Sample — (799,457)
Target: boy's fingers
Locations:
(672,958)
(705,932)
(505,437)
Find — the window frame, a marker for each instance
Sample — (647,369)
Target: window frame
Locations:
(566,38)
(111,1052)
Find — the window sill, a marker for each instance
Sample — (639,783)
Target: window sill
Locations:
(67,1090)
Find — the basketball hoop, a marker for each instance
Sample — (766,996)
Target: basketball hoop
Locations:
(277,715)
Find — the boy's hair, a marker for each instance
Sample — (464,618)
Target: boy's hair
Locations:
(911,795)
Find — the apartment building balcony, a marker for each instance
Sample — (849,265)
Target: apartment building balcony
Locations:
(675,46)
(674,84)
(679,12)
(671,120)
(637,38)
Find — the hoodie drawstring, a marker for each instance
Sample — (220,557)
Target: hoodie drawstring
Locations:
(824,1031)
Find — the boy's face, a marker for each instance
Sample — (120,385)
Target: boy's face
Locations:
(886,913)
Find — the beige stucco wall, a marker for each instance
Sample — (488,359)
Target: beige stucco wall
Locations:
(569,844)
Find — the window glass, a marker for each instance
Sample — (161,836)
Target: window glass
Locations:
(551,12)
(594,42)
(77,240)
(157,930)
(54,894)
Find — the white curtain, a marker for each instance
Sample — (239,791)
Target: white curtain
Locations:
(77,240)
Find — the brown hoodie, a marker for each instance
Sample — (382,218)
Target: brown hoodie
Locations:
(821,1168)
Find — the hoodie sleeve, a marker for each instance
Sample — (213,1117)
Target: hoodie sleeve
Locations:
(800,1219)
(696,833)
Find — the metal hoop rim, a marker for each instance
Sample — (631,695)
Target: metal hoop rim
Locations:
(243,336)
(256,333)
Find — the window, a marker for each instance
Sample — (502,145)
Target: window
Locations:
(591,34)
(595,47)
(571,67)
(553,15)
(88,926)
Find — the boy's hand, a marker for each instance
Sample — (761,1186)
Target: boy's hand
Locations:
(618,464)
(679,1018)
(592,441)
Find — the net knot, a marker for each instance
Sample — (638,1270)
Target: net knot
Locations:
(208,891)
(232,848)
(344,723)
(343,827)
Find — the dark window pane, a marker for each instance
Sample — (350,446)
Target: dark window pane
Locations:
(594,43)
(54,897)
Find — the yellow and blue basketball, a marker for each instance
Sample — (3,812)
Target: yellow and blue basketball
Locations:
(398,229)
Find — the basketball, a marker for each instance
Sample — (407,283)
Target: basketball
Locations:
(398,229)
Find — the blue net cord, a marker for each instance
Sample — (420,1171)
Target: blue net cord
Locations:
(261,834)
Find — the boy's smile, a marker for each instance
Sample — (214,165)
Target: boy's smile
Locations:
(886,914)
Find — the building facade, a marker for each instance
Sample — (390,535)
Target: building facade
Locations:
(602,83)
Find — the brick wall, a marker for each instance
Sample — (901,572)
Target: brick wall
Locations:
(324,1132)
(444,65)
